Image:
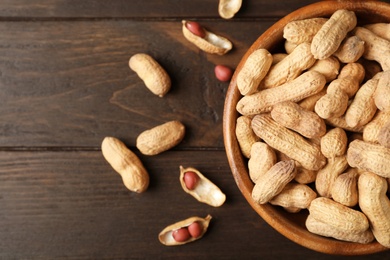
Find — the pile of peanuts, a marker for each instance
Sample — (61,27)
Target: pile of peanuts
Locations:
(314,124)
(166,136)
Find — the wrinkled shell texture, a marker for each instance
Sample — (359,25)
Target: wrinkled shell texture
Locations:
(126,163)
(321,113)
(160,138)
(205,191)
(165,237)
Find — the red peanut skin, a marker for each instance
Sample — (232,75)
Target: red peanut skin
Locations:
(196,29)
(190,180)
(195,229)
(181,234)
(223,73)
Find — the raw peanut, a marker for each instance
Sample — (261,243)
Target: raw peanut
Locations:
(126,163)
(289,47)
(338,216)
(371,130)
(277,57)
(228,8)
(371,68)
(253,71)
(328,39)
(363,108)
(349,85)
(376,48)
(305,176)
(166,236)
(273,181)
(328,175)
(155,78)
(375,205)
(303,30)
(340,122)
(210,43)
(334,103)
(288,142)
(354,70)
(328,67)
(190,180)
(370,157)
(294,195)
(160,138)
(262,159)
(196,29)
(294,117)
(181,234)
(309,83)
(195,229)
(384,135)
(290,67)
(350,50)
(204,191)
(334,143)
(223,73)
(310,102)
(380,29)
(323,229)
(245,135)
(382,92)
(344,189)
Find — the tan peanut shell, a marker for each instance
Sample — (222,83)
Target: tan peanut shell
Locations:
(273,181)
(288,142)
(369,157)
(328,39)
(334,103)
(380,29)
(307,84)
(294,195)
(253,71)
(290,67)
(328,67)
(210,43)
(340,122)
(154,76)
(372,129)
(228,8)
(126,163)
(160,138)
(165,236)
(262,158)
(384,135)
(277,57)
(363,108)
(245,135)
(289,47)
(328,175)
(205,190)
(310,102)
(323,229)
(334,143)
(350,50)
(375,204)
(338,216)
(294,117)
(305,176)
(303,30)
(353,70)
(382,92)
(345,190)
(376,48)
(371,68)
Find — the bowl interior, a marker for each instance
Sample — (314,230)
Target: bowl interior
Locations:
(292,225)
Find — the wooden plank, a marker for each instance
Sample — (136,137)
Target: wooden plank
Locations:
(69,84)
(57,205)
(141,9)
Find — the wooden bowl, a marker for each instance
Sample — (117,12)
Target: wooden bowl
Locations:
(292,225)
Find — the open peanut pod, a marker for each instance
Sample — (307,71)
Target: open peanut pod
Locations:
(197,185)
(167,238)
(210,43)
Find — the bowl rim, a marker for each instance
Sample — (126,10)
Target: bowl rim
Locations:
(269,213)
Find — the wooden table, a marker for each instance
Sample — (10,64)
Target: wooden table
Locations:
(65,84)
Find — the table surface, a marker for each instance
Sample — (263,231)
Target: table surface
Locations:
(65,85)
